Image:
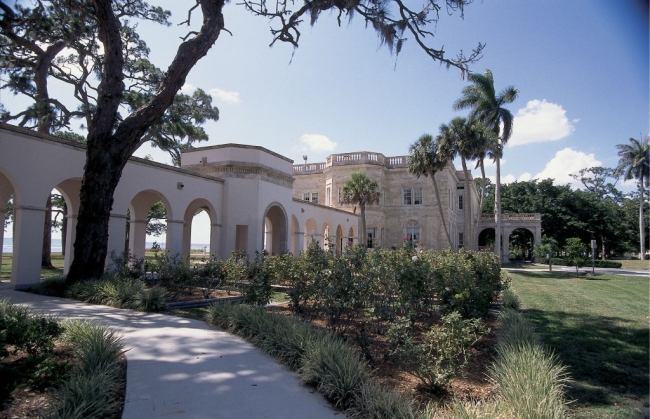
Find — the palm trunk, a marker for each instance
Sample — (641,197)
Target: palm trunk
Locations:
(641,221)
(442,215)
(469,238)
(364,233)
(497,212)
(480,200)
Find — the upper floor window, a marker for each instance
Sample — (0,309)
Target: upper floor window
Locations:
(412,196)
(460,202)
(313,195)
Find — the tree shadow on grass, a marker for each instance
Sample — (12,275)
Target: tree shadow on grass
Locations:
(605,356)
(564,275)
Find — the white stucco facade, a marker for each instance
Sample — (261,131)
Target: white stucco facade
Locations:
(245,190)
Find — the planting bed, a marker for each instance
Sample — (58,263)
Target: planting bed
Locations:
(473,385)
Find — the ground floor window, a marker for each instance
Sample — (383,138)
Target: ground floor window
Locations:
(412,231)
(372,235)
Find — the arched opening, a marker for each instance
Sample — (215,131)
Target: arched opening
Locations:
(6,216)
(521,243)
(350,236)
(486,240)
(311,233)
(339,240)
(147,214)
(296,238)
(275,230)
(326,238)
(199,225)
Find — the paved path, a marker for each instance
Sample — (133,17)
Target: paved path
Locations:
(183,368)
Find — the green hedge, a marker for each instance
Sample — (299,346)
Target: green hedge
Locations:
(598,263)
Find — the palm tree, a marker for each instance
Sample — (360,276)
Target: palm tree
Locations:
(634,163)
(486,106)
(362,191)
(485,144)
(456,139)
(425,160)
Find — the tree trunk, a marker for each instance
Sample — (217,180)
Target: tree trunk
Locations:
(641,220)
(467,207)
(46,249)
(442,215)
(110,146)
(497,211)
(364,232)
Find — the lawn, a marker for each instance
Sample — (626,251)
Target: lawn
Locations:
(599,330)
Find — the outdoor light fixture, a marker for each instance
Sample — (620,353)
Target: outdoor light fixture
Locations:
(180,185)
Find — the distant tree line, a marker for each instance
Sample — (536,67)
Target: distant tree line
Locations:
(598,212)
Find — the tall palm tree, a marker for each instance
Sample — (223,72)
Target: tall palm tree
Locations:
(361,190)
(485,145)
(487,106)
(425,160)
(634,163)
(456,139)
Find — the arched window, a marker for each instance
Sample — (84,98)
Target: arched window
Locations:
(412,231)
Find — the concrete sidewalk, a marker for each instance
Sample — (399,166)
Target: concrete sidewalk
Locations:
(179,367)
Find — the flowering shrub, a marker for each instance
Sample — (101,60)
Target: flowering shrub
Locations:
(443,351)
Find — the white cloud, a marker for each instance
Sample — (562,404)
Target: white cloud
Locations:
(188,89)
(540,121)
(317,142)
(566,162)
(230,98)
(525,177)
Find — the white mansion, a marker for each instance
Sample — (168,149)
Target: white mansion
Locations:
(256,199)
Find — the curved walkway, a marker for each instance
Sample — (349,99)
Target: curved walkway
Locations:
(183,368)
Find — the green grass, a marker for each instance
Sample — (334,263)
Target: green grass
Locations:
(639,265)
(599,330)
(57,261)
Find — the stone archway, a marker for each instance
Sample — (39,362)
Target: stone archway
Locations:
(521,242)
(486,240)
(339,240)
(275,230)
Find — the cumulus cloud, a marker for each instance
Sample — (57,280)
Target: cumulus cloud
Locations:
(231,98)
(566,162)
(188,89)
(316,142)
(540,121)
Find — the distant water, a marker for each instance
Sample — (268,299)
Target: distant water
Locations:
(8,245)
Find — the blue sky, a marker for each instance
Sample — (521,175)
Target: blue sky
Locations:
(581,68)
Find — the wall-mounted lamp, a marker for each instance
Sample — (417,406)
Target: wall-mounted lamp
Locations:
(302,210)
(179,185)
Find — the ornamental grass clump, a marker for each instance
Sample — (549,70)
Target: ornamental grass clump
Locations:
(321,359)
(94,387)
(530,380)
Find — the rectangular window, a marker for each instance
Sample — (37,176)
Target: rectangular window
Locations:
(413,233)
(460,202)
(305,196)
(408,198)
(314,197)
(461,240)
(417,196)
(412,196)
(329,196)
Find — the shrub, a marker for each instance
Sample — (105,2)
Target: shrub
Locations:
(443,351)
(119,292)
(55,286)
(466,281)
(259,290)
(25,330)
(598,263)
